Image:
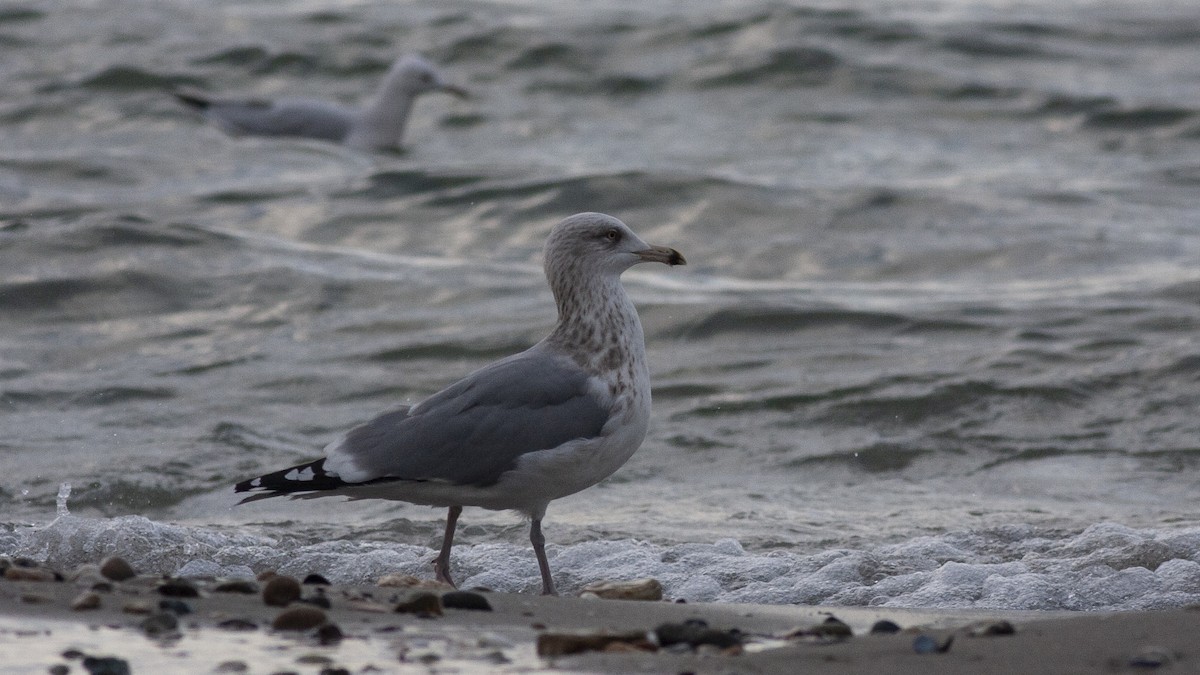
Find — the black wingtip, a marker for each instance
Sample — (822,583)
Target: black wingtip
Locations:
(297,480)
(259,497)
(307,477)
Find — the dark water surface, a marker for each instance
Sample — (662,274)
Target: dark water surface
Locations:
(944,280)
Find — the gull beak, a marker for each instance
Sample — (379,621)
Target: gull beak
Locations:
(662,254)
(455,90)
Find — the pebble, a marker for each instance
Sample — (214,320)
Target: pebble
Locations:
(565,644)
(329,634)
(174,606)
(832,627)
(59,669)
(637,589)
(298,618)
(236,586)
(1151,657)
(318,600)
(495,658)
(623,648)
(713,650)
(34,598)
(137,607)
(237,624)
(178,588)
(280,591)
(315,580)
(21,573)
(86,600)
(927,644)
(695,632)
(679,648)
(86,573)
(990,627)
(159,624)
(117,569)
(885,627)
(232,667)
(106,665)
(421,604)
(465,600)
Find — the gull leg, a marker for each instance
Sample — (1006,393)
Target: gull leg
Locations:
(539,550)
(441,564)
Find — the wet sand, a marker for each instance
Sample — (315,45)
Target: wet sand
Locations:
(230,631)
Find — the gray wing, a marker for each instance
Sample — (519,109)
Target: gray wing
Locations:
(287,117)
(473,431)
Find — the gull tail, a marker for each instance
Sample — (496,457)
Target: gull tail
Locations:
(308,477)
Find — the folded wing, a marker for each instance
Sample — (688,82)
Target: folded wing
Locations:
(470,433)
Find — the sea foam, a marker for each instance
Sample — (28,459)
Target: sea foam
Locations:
(1106,566)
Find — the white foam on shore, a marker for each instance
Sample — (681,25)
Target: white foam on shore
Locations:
(1107,566)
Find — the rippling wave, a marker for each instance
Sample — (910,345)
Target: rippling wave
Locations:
(942,260)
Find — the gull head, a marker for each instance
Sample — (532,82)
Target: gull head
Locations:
(418,76)
(588,245)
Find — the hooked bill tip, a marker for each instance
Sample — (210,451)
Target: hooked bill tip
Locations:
(662,254)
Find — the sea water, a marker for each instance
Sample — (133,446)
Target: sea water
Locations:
(935,345)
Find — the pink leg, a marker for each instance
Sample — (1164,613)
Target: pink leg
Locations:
(441,564)
(539,550)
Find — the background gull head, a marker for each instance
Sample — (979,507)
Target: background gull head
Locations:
(415,75)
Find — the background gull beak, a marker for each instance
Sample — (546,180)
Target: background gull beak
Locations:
(662,254)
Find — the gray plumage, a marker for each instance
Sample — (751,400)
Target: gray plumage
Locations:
(475,430)
(536,426)
(379,124)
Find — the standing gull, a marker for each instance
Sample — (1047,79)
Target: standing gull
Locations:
(545,423)
(378,125)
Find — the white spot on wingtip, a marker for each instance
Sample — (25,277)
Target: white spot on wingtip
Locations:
(298,475)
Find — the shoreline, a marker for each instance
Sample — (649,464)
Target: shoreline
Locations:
(230,630)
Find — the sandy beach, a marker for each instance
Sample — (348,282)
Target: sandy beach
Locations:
(152,624)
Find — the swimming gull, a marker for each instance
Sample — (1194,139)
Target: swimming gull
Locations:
(378,125)
(533,427)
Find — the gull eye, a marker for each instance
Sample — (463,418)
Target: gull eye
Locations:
(613,235)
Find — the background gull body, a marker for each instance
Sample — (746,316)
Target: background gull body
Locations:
(379,124)
(516,434)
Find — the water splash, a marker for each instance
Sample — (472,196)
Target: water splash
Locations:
(1107,566)
(64,492)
